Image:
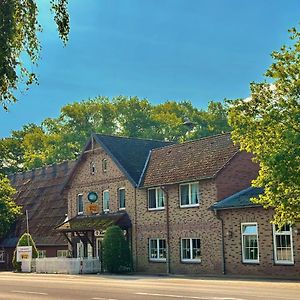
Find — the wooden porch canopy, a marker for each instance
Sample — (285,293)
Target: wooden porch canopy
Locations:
(84,227)
(95,222)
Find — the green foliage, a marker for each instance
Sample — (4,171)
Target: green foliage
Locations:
(18,37)
(116,253)
(268,125)
(9,211)
(62,138)
(25,240)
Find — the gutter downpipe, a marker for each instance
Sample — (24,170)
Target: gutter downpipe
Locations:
(223,243)
(135,265)
(165,190)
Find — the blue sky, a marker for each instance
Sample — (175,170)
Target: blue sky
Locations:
(198,50)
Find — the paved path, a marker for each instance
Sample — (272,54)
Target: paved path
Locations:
(106,287)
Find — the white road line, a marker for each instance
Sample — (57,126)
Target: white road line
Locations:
(189,297)
(28,292)
(103,299)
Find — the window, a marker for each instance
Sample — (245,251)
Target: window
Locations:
(157,250)
(190,250)
(283,244)
(250,251)
(41,253)
(156,198)
(106,201)
(104,165)
(189,194)
(62,253)
(2,256)
(92,168)
(79,204)
(121,196)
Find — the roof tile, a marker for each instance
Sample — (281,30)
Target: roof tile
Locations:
(189,161)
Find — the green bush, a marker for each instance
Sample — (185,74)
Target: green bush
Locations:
(23,241)
(116,252)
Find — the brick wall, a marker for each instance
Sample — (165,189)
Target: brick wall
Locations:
(236,175)
(233,246)
(84,182)
(196,222)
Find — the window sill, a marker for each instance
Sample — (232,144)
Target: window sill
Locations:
(122,208)
(284,263)
(79,213)
(157,260)
(251,262)
(106,210)
(189,205)
(191,261)
(156,209)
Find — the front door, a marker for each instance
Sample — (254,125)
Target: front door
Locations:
(98,247)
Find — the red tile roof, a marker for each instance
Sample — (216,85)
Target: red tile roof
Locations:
(194,160)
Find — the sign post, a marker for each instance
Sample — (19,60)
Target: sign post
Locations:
(24,255)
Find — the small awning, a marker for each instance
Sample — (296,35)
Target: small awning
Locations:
(95,222)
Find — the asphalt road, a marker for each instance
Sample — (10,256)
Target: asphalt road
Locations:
(106,287)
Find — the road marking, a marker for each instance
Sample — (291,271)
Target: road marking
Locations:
(28,292)
(103,299)
(189,297)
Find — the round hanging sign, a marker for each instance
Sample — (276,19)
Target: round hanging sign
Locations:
(92,197)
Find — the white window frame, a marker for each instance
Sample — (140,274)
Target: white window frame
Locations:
(249,261)
(77,204)
(2,256)
(156,199)
(276,233)
(42,253)
(62,253)
(189,260)
(157,249)
(92,168)
(190,194)
(104,165)
(107,209)
(121,188)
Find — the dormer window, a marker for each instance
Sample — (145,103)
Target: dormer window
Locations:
(104,165)
(92,168)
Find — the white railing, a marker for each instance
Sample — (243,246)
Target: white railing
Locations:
(58,265)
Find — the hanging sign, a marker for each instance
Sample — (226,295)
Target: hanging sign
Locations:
(92,197)
(92,208)
(24,253)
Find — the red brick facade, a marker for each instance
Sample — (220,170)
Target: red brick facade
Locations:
(233,218)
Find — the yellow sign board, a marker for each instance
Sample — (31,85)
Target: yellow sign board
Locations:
(92,208)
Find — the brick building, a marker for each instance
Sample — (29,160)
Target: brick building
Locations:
(252,245)
(182,182)
(185,208)
(102,189)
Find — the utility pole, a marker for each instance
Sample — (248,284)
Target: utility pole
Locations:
(27,227)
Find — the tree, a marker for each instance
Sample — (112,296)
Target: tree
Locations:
(268,125)
(18,37)
(116,253)
(62,138)
(9,211)
(25,240)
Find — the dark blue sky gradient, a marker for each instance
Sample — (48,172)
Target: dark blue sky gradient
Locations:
(196,50)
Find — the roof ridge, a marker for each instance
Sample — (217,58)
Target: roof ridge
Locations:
(42,167)
(191,141)
(132,138)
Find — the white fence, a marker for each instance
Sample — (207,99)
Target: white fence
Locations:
(55,265)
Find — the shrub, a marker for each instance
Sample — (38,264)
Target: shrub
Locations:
(116,252)
(23,241)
